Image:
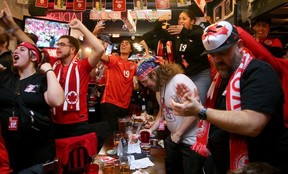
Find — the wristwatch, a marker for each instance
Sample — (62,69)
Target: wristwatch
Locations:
(202,115)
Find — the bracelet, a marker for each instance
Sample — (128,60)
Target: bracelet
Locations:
(12,30)
(48,70)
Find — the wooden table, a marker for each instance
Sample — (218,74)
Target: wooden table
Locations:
(157,157)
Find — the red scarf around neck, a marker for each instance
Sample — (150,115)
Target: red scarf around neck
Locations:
(238,144)
(72,84)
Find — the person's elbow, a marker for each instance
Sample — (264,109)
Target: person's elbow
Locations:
(258,125)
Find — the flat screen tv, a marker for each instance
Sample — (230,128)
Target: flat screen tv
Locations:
(48,31)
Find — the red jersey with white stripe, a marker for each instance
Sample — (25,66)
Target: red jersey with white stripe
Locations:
(70,117)
(119,81)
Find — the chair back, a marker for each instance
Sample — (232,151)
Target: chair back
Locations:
(78,160)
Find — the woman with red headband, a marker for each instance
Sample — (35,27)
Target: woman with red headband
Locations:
(40,90)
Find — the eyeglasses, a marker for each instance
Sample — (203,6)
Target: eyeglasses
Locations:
(61,44)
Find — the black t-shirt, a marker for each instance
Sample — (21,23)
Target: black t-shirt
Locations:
(187,45)
(24,150)
(260,91)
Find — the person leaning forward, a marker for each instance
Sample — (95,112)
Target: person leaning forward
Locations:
(242,117)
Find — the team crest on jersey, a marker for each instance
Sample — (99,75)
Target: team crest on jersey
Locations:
(72,97)
(31,88)
(268,42)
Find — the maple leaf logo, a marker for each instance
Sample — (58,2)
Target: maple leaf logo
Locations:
(72,97)
(214,30)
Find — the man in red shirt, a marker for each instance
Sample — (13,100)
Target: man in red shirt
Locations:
(119,85)
(273,45)
(71,119)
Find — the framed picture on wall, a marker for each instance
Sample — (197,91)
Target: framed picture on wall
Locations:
(228,8)
(218,13)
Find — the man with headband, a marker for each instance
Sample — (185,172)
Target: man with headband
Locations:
(241,120)
(159,77)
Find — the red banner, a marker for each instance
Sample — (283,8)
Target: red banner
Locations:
(79,5)
(41,3)
(162,4)
(119,5)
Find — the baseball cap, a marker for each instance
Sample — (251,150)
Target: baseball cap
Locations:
(145,66)
(104,37)
(219,36)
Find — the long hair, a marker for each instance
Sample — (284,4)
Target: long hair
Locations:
(166,71)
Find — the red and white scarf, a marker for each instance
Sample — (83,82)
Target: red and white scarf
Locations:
(161,52)
(72,84)
(238,144)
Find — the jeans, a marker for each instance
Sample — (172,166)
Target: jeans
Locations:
(202,81)
(180,159)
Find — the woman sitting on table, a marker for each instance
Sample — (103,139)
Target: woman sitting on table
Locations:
(39,89)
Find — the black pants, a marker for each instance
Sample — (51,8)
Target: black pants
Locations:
(180,159)
(111,113)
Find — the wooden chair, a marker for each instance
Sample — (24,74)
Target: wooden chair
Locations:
(51,167)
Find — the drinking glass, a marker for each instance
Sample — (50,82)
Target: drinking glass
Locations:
(116,139)
(124,165)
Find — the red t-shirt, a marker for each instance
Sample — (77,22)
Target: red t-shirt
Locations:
(119,81)
(271,42)
(70,117)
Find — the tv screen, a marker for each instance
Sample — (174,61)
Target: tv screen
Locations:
(47,31)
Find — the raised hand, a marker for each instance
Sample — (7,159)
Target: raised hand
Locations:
(99,27)
(75,24)
(175,29)
(6,14)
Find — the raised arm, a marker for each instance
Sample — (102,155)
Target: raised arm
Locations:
(96,46)
(14,28)
(54,96)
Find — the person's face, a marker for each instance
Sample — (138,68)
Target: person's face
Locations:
(227,61)
(21,57)
(185,20)
(151,82)
(261,29)
(64,48)
(125,47)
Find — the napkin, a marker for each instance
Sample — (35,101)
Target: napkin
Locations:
(140,172)
(134,148)
(141,163)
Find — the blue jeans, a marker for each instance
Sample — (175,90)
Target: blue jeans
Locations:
(202,81)
(180,159)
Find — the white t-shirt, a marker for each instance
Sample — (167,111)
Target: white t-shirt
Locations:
(173,121)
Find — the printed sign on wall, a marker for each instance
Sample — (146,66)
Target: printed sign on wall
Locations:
(119,5)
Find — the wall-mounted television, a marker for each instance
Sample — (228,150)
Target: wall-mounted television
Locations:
(48,31)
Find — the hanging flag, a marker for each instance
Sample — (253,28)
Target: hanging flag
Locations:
(41,3)
(60,4)
(182,3)
(119,5)
(140,4)
(162,4)
(99,5)
(79,5)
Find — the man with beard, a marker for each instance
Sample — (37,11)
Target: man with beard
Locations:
(71,119)
(242,119)
(163,78)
